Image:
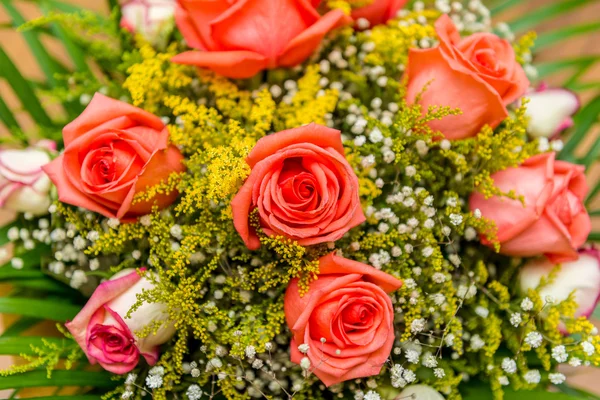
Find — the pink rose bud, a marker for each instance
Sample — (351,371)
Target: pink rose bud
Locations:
(147,17)
(552,220)
(550,110)
(24,186)
(581,276)
(343,328)
(107,337)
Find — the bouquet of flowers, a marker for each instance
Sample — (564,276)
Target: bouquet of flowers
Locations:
(295,199)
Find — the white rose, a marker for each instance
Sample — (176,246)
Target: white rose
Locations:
(24,187)
(550,110)
(146,17)
(420,392)
(581,276)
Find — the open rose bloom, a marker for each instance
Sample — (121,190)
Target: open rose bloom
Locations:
(239,38)
(553,220)
(348,305)
(114,150)
(478,74)
(302,187)
(107,337)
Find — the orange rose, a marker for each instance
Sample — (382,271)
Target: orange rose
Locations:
(302,187)
(379,11)
(348,306)
(239,38)
(114,150)
(478,74)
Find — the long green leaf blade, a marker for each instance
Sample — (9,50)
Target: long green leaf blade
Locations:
(20,326)
(23,90)
(16,345)
(551,10)
(31,379)
(7,117)
(499,7)
(553,37)
(37,308)
(552,67)
(584,120)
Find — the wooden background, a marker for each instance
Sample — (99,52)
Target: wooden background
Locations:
(17,49)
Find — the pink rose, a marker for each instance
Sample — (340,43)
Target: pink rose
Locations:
(553,221)
(581,277)
(239,38)
(114,150)
(302,186)
(348,305)
(24,186)
(109,339)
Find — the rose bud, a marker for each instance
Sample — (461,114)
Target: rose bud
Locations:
(343,328)
(552,220)
(24,185)
(107,337)
(581,276)
(113,151)
(148,17)
(478,74)
(379,11)
(550,110)
(302,187)
(239,39)
(420,392)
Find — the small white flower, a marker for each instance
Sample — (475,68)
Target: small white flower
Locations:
(445,144)
(257,363)
(454,259)
(559,353)
(410,170)
(509,365)
(515,319)
(574,362)
(438,277)
(503,380)
(482,311)
(396,251)
(130,379)
(17,263)
(476,342)
(303,348)
(412,356)
(456,219)
(427,251)
(588,348)
(527,304)
(113,223)
(146,220)
(557,378)
(371,395)
(305,363)
(250,351)
(439,373)
(375,136)
(417,325)
(368,161)
(533,376)
(410,283)
(158,370)
(429,361)
(477,213)
(534,339)
(409,376)
(359,140)
(194,392)
(154,381)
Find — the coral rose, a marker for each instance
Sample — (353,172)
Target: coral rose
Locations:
(239,38)
(478,74)
(114,150)
(379,11)
(107,337)
(348,305)
(552,221)
(302,187)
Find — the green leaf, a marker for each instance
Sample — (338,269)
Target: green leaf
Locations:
(594,237)
(552,67)
(584,120)
(501,6)
(16,345)
(47,64)
(7,117)
(20,326)
(23,90)
(46,285)
(558,35)
(45,309)
(551,10)
(101,379)
(8,273)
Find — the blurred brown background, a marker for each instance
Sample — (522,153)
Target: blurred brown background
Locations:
(589,44)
